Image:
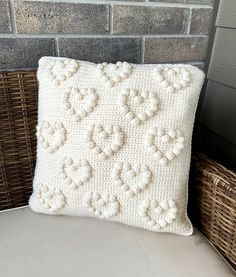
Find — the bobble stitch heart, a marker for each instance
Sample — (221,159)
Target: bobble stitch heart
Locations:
(172,78)
(112,74)
(61,70)
(138,97)
(87,102)
(164,138)
(81,169)
(104,151)
(104,206)
(52,199)
(125,169)
(158,215)
(51,135)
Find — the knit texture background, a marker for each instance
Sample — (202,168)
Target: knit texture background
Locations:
(114,141)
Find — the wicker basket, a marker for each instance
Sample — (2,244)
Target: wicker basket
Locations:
(212,202)
(18,116)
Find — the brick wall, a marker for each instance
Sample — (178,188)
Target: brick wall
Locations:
(137,31)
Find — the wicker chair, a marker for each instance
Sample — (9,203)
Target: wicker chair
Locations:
(212,203)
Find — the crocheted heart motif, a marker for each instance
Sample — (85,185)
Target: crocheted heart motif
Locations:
(138,106)
(158,215)
(80,102)
(172,78)
(164,145)
(75,173)
(104,141)
(112,74)
(52,199)
(105,206)
(61,70)
(132,179)
(51,135)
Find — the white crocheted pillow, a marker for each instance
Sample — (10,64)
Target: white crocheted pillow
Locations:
(114,141)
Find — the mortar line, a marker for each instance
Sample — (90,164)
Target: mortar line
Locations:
(111,18)
(57,47)
(12,16)
(189,22)
(142,49)
(100,36)
(29,68)
(129,3)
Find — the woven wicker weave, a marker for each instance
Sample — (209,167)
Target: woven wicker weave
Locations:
(212,204)
(18,115)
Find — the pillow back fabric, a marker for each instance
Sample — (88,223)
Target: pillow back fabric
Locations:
(114,141)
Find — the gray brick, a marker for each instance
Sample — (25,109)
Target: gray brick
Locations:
(101,49)
(204,2)
(24,52)
(57,17)
(201,21)
(5,18)
(149,20)
(175,49)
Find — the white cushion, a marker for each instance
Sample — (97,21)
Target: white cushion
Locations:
(36,245)
(114,141)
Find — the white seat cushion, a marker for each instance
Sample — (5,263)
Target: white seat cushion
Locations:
(37,245)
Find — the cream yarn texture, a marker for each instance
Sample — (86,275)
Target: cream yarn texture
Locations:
(114,141)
